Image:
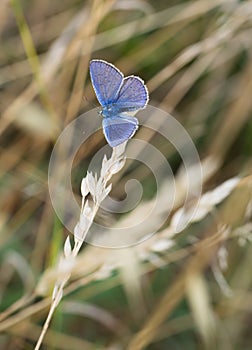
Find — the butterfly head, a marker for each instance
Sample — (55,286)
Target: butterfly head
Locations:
(100,111)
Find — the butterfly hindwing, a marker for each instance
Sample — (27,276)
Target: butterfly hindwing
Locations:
(106,80)
(119,129)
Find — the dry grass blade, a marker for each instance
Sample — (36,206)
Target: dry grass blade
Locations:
(98,189)
(202,258)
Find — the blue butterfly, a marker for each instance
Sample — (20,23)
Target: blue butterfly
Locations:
(118,97)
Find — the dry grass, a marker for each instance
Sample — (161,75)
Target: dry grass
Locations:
(179,291)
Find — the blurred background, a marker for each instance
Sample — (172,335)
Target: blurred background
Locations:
(191,290)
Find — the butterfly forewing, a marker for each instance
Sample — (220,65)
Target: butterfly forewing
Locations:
(119,129)
(106,80)
(133,94)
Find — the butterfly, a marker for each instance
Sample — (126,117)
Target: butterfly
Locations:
(119,96)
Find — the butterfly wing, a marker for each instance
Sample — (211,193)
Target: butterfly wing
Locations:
(133,95)
(119,129)
(106,80)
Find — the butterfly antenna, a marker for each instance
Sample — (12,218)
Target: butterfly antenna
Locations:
(89,102)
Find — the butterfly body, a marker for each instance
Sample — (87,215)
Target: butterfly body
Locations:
(110,110)
(118,97)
